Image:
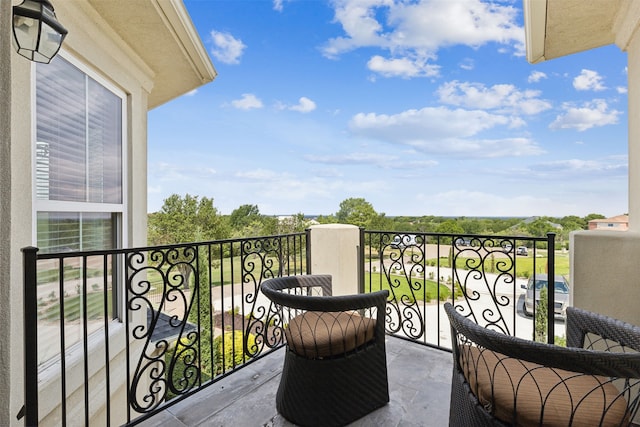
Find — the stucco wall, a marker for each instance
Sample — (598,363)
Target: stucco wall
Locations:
(334,250)
(89,41)
(21,213)
(5,208)
(605,273)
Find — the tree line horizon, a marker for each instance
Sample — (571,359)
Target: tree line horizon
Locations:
(188,218)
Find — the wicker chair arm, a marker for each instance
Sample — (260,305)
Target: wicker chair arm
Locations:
(322,281)
(568,358)
(275,290)
(581,322)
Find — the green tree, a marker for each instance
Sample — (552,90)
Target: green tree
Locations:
(357,211)
(184,220)
(269,226)
(326,219)
(450,226)
(471,225)
(382,222)
(593,216)
(244,216)
(573,222)
(540,324)
(246,221)
(294,224)
(540,227)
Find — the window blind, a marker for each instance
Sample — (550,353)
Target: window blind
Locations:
(79,136)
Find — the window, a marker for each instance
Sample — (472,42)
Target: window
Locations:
(79,194)
(79,159)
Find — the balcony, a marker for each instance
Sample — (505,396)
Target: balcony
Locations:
(182,332)
(419,384)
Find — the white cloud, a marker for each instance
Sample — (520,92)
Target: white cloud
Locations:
(595,113)
(248,102)
(154,189)
(402,67)
(351,158)
(265,184)
(172,172)
(501,97)
(417,30)
(305,105)
(443,131)
(536,76)
(436,122)
(489,204)
(380,160)
(621,89)
(278,5)
(226,48)
(588,80)
(260,175)
(467,64)
(191,92)
(611,166)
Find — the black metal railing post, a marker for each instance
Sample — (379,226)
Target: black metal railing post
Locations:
(361,262)
(30,302)
(551,287)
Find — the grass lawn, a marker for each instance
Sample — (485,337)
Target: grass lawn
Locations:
(73,307)
(524,264)
(221,271)
(379,281)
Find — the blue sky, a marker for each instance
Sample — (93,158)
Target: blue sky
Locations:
(420,107)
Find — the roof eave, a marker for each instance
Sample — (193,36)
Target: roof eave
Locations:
(535,26)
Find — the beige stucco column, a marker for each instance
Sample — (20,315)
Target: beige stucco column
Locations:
(628,39)
(335,250)
(605,272)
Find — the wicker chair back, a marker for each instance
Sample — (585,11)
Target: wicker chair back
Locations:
(505,380)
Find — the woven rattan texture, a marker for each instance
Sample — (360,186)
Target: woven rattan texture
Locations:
(617,357)
(334,390)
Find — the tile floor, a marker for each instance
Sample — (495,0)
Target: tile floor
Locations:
(419,386)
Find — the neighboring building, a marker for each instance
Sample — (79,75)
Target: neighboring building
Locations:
(73,152)
(615,223)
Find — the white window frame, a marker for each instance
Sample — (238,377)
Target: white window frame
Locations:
(40,205)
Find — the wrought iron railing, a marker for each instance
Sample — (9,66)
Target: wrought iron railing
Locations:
(483,276)
(153,324)
(158,324)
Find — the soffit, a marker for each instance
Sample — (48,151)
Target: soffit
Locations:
(563,27)
(161,33)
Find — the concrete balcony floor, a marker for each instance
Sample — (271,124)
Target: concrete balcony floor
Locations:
(419,388)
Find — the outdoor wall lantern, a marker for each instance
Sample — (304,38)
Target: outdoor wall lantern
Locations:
(37,34)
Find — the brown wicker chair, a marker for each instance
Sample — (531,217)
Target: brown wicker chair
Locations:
(335,366)
(503,380)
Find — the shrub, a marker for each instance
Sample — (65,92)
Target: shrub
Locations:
(234,353)
(540,323)
(182,363)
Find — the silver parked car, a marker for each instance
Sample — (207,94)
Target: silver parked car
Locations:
(561,294)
